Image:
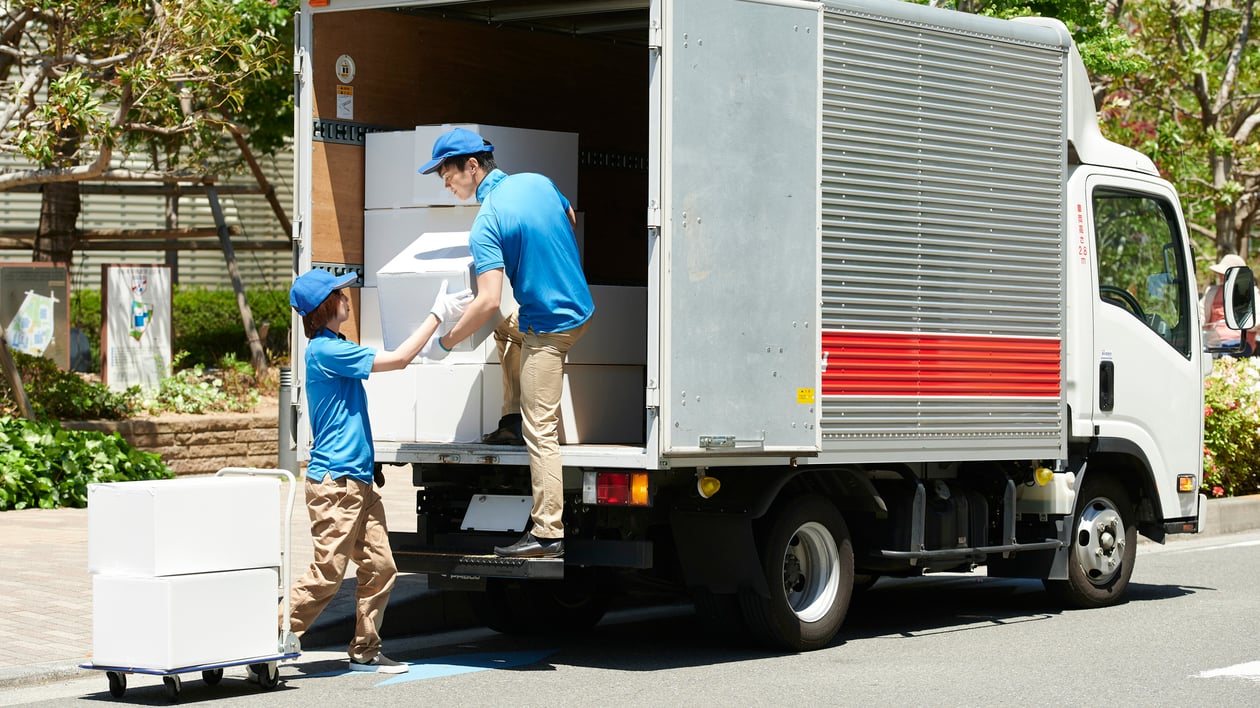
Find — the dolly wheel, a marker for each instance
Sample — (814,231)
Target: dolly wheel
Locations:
(172,684)
(117,683)
(212,676)
(268,674)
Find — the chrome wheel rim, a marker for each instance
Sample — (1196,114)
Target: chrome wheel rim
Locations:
(811,572)
(1100,541)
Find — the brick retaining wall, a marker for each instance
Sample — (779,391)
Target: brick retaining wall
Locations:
(201,444)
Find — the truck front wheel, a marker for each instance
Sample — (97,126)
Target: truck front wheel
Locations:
(807,558)
(1104,547)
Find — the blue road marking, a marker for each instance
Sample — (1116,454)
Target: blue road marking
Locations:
(457,664)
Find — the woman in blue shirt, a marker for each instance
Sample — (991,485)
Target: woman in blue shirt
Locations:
(347,515)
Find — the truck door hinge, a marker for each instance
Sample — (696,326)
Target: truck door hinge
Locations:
(655,36)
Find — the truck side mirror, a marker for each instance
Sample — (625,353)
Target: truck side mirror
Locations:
(1240,299)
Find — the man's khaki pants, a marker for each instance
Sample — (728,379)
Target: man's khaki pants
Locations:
(347,524)
(533,381)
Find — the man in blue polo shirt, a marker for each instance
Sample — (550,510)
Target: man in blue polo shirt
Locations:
(524,232)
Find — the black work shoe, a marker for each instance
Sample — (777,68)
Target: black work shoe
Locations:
(531,546)
(503,436)
(508,433)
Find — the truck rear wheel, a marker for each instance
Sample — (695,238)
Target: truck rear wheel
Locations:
(1104,547)
(807,558)
(539,606)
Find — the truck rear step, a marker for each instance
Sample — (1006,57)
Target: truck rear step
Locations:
(458,565)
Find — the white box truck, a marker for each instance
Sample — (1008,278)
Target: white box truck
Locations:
(907,309)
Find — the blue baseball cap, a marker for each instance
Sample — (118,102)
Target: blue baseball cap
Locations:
(311,288)
(455,142)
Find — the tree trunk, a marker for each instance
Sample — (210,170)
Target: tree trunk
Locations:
(58,223)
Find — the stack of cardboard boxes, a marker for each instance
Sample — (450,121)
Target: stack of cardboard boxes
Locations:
(185,572)
(416,237)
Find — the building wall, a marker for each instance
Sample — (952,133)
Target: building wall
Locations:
(252,214)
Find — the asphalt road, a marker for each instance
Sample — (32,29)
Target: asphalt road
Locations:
(1186,636)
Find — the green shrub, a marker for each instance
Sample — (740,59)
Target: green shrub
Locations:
(58,394)
(46,466)
(196,390)
(206,323)
(1231,428)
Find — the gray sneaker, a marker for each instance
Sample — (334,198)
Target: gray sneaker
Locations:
(381,664)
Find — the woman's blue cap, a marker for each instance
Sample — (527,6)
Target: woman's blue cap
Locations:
(311,288)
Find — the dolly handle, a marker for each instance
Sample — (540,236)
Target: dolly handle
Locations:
(288,523)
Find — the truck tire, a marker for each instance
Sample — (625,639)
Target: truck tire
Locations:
(807,558)
(539,606)
(719,615)
(1104,547)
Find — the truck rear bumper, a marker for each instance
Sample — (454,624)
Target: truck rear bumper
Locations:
(463,564)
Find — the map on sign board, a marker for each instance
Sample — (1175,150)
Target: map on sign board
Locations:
(136,328)
(32,328)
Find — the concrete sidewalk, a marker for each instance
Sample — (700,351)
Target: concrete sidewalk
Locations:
(46,592)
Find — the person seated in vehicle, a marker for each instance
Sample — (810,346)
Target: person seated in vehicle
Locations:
(1212,313)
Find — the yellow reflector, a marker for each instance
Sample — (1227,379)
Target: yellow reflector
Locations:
(639,489)
(708,486)
(1043,476)
(1185,483)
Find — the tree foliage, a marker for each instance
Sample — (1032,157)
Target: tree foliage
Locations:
(1193,110)
(89,82)
(1105,47)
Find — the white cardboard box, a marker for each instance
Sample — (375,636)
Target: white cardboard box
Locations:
(599,405)
(389,169)
(408,284)
(184,620)
(178,526)
(370,319)
(392,161)
(392,404)
(602,405)
(618,330)
(387,232)
(448,402)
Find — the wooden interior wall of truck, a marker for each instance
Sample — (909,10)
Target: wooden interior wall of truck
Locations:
(418,70)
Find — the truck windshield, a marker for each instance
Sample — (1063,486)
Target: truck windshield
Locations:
(1141,265)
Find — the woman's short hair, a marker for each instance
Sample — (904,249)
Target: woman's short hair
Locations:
(318,318)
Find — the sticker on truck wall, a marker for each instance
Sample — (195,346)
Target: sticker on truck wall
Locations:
(1082,244)
(805,396)
(345,69)
(345,102)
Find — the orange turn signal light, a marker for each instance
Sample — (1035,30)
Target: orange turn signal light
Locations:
(1186,483)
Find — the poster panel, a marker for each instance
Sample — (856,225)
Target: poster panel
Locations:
(34,305)
(136,326)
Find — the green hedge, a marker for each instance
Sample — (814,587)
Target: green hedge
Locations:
(206,323)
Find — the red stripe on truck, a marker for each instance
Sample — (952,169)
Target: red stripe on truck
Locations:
(901,364)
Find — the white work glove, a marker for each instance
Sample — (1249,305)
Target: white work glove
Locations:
(432,350)
(449,307)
